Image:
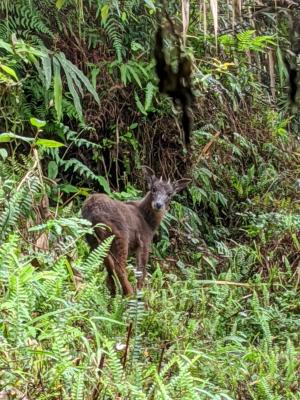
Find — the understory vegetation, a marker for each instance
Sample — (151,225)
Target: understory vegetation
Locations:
(80,111)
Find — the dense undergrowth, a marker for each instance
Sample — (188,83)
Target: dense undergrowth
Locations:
(216,321)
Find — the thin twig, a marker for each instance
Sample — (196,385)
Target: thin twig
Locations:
(26,176)
(163,348)
(96,390)
(230,283)
(127,344)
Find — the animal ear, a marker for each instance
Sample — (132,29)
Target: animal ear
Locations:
(181,184)
(149,175)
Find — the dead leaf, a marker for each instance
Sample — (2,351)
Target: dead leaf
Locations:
(206,149)
(44,207)
(42,242)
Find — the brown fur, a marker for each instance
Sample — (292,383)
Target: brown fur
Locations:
(133,224)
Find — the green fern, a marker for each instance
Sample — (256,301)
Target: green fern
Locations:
(183,383)
(54,288)
(248,41)
(88,296)
(18,205)
(264,390)
(114,31)
(78,386)
(80,142)
(27,20)
(20,307)
(78,166)
(262,319)
(291,363)
(114,363)
(96,258)
(8,251)
(149,94)
(136,312)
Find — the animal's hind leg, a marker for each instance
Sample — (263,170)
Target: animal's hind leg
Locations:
(109,263)
(111,272)
(115,261)
(120,253)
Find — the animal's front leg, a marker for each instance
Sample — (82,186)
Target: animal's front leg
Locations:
(142,256)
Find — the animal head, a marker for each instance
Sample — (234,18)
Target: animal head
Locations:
(162,191)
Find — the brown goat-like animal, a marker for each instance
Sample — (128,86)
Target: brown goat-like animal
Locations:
(133,223)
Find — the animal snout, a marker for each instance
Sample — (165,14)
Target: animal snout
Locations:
(158,205)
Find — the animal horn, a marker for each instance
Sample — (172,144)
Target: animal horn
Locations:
(169,181)
(160,179)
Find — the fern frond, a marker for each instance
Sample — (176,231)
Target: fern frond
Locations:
(82,169)
(81,142)
(150,91)
(28,21)
(114,31)
(78,386)
(264,390)
(8,252)
(96,258)
(19,312)
(114,363)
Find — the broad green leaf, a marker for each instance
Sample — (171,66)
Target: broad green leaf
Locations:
(74,76)
(123,16)
(141,68)
(139,104)
(135,75)
(59,4)
(84,192)
(48,143)
(95,72)
(47,69)
(281,66)
(52,170)
(3,154)
(22,48)
(150,4)
(37,122)
(57,89)
(80,75)
(67,188)
(70,80)
(123,70)
(9,136)
(9,71)
(26,273)
(103,182)
(104,13)
(5,78)
(6,46)
(77,83)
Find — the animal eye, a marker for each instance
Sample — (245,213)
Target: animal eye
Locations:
(154,190)
(169,194)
